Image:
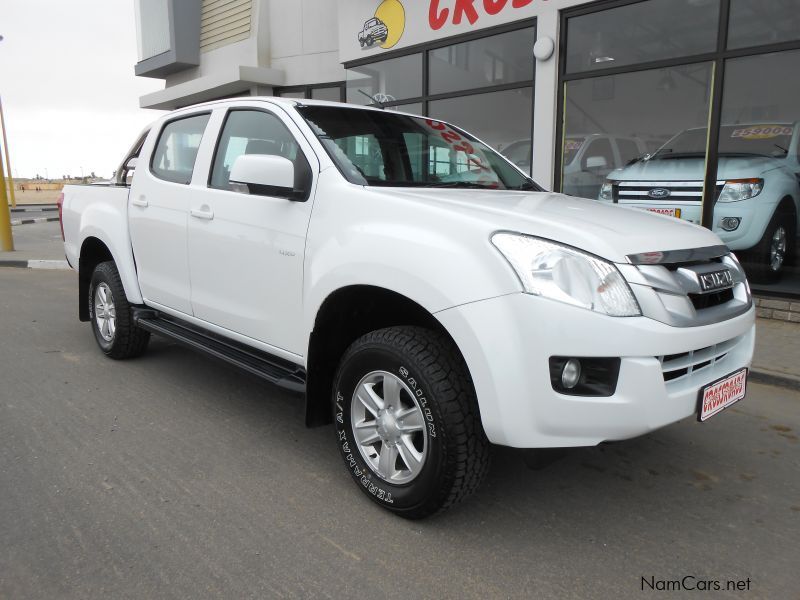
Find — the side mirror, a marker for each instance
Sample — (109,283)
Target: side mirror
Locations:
(131,164)
(264,175)
(596,162)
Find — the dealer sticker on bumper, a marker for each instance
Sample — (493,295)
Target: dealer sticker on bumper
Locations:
(670,212)
(717,396)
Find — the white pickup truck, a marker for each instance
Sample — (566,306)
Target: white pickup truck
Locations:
(757,202)
(424,295)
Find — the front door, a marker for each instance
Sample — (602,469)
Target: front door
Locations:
(246,251)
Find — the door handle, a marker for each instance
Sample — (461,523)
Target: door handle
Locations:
(140,201)
(204,212)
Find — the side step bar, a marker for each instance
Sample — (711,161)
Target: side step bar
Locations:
(271,368)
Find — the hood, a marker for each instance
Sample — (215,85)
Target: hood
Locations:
(693,169)
(606,230)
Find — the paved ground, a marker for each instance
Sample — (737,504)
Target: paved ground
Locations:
(35,241)
(174,476)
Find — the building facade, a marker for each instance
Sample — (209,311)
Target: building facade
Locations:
(686,107)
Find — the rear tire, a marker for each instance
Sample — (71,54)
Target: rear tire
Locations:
(111,315)
(767,260)
(420,447)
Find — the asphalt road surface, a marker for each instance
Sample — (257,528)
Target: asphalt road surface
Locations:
(174,476)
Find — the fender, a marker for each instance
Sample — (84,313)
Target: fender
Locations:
(104,222)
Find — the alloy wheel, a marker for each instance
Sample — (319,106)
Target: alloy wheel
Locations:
(389,427)
(105,313)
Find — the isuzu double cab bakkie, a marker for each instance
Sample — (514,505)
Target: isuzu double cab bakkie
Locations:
(424,295)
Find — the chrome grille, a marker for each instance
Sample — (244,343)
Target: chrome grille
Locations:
(669,289)
(679,191)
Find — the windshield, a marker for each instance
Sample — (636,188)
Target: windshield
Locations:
(756,140)
(571,147)
(378,148)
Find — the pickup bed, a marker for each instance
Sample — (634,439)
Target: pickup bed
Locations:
(421,292)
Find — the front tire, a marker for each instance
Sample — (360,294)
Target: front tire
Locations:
(766,261)
(407,421)
(111,316)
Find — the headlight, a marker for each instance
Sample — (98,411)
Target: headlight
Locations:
(740,189)
(606,192)
(567,275)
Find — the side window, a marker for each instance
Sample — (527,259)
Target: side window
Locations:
(124,175)
(176,150)
(599,148)
(628,150)
(255,132)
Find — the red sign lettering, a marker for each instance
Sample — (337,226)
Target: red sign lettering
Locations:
(465,7)
(492,7)
(438,16)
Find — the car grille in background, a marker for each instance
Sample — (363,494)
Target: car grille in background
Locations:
(675,366)
(679,191)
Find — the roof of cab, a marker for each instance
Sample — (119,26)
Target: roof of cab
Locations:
(275,100)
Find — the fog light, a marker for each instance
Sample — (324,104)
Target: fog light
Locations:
(571,374)
(584,375)
(730,223)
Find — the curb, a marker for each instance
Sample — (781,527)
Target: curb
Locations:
(784,380)
(58,265)
(15,222)
(34,208)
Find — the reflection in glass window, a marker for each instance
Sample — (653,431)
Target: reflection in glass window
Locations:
(300,94)
(385,81)
(479,114)
(494,60)
(608,136)
(757,22)
(415,108)
(641,32)
(758,175)
(176,151)
(333,94)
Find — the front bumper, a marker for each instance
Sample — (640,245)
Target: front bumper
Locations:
(507,342)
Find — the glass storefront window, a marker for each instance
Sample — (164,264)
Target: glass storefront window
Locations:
(630,129)
(415,108)
(641,32)
(494,60)
(757,22)
(298,94)
(479,115)
(758,175)
(334,94)
(385,81)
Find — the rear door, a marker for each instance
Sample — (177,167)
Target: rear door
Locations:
(246,251)
(158,206)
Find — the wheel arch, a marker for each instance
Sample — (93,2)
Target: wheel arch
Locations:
(788,203)
(93,252)
(345,315)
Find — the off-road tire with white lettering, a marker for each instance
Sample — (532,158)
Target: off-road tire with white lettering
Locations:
(129,340)
(458,451)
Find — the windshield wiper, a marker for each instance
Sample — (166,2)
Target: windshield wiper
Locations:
(669,153)
(472,185)
(527,186)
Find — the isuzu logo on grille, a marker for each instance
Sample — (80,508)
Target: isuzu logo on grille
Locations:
(718,280)
(659,193)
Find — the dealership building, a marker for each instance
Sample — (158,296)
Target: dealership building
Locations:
(687,107)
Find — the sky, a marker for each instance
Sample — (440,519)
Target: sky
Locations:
(69,93)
